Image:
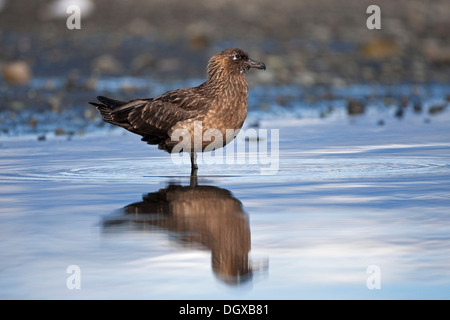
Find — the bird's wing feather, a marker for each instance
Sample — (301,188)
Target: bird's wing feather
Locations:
(160,114)
(156,117)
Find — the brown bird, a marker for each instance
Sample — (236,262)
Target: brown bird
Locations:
(220,104)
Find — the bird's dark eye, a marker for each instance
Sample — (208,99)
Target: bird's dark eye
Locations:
(237,56)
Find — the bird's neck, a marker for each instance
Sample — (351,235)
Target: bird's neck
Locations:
(234,84)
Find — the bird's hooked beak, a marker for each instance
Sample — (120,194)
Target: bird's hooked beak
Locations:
(250,63)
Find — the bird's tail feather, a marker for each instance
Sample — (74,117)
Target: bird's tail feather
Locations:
(115,111)
(111,103)
(106,106)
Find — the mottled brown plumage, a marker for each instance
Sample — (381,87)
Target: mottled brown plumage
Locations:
(219,103)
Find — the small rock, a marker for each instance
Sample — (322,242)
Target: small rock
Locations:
(59,131)
(16,73)
(55,103)
(417,108)
(380,49)
(399,113)
(91,83)
(33,122)
(355,107)
(106,64)
(437,109)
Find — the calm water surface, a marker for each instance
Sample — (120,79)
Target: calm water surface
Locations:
(349,196)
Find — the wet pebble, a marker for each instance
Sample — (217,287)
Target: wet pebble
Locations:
(380,48)
(355,107)
(33,122)
(399,113)
(417,108)
(59,131)
(91,83)
(16,73)
(55,102)
(436,109)
(106,64)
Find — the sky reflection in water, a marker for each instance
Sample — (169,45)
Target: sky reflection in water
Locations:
(347,196)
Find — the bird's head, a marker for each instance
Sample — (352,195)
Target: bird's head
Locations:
(232,61)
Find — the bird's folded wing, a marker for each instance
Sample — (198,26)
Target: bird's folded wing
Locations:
(156,117)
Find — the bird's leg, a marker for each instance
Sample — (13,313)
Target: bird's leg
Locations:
(194,161)
(194,165)
(194,169)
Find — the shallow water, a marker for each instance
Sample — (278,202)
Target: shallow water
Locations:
(347,208)
(348,195)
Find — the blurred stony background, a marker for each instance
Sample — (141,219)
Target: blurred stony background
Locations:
(304,43)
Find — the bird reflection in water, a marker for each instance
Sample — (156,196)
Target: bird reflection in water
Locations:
(198,215)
